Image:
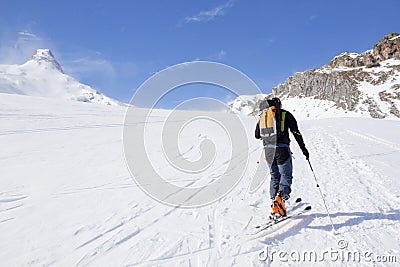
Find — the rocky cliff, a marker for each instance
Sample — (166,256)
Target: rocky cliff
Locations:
(367,82)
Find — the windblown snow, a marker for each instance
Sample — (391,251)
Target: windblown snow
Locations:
(43,76)
(67,197)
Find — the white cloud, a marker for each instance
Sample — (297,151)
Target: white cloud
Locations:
(18,47)
(211,14)
(313,17)
(221,54)
(270,42)
(28,35)
(218,56)
(79,66)
(215,56)
(90,66)
(95,69)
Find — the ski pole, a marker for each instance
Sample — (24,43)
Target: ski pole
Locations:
(322,196)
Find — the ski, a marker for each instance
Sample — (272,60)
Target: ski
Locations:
(271,223)
(297,203)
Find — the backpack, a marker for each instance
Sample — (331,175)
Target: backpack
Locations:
(270,120)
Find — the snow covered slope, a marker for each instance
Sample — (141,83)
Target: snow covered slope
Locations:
(43,76)
(67,198)
(303,108)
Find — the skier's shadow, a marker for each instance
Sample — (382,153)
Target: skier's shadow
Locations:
(287,229)
(355,218)
(305,221)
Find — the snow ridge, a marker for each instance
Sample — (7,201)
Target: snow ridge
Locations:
(46,56)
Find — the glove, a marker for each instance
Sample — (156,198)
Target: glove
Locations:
(305,153)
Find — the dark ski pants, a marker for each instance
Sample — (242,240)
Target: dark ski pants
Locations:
(281,171)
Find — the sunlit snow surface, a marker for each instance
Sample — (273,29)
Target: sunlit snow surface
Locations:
(67,197)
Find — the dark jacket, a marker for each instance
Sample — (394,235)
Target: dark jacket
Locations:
(290,123)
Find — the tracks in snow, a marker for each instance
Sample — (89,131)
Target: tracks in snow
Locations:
(356,196)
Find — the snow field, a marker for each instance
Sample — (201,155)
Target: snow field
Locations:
(67,198)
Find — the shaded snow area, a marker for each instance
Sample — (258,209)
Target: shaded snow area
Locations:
(67,197)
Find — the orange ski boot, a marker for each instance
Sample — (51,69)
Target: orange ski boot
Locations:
(280,204)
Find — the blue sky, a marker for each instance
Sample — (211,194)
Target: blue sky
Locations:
(115,46)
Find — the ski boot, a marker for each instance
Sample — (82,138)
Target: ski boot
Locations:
(278,208)
(274,210)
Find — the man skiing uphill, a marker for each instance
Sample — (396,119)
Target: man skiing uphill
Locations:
(273,128)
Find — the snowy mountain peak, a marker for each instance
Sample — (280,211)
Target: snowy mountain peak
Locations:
(45,56)
(43,76)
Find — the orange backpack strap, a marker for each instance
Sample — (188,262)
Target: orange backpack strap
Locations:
(270,120)
(263,120)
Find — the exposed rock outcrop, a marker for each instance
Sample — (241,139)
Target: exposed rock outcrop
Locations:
(45,55)
(388,47)
(366,83)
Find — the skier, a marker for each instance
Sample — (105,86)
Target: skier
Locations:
(273,128)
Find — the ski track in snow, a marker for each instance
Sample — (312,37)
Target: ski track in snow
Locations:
(359,201)
(67,198)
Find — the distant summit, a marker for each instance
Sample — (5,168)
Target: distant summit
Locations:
(43,76)
(45,56)
(351,84)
